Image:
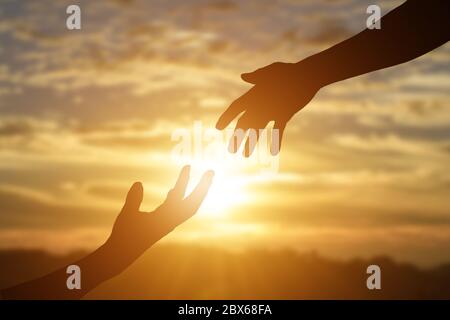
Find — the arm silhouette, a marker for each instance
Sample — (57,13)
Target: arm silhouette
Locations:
(133,233)
(282,89)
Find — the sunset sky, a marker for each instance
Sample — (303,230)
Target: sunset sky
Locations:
(364,169)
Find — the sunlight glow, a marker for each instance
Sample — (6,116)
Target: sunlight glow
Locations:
(205,148)
(229,188)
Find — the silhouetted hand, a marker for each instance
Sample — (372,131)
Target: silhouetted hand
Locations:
(134,232)
(280,91)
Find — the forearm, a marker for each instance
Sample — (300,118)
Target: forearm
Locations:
(407,32)
(94,270)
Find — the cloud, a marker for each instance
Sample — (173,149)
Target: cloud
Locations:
(331,32)
(85,114)
(23,127)
(55,241)
(21,207)
(387,143)
(27,133)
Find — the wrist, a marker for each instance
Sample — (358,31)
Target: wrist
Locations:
(314,71)
(98,267)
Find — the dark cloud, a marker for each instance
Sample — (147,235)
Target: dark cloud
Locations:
(22,210)
(20,127)
(446,148)
(221,5)
(129,142)
(123,2)
(112,192)
(331,31)
(425,108)
(335,215)
(132,135)
(116,192)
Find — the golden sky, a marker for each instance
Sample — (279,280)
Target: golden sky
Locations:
(364,168)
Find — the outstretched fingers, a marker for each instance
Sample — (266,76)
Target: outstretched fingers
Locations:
(255,76)
(277,137)
(178,191)
(239,134)
(232,112)
(254,134)
(264,74)
(192,202)
(134,198)
(179,210)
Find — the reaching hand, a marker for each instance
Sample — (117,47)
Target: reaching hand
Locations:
(135,231)
(280,91)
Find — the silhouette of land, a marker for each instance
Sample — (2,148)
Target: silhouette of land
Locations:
(190,272)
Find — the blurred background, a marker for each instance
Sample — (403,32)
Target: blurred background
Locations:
(363,173)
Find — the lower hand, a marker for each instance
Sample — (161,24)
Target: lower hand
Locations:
(135,231)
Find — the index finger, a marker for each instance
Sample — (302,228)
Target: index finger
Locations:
(232,112)
(177,193)
(194,200)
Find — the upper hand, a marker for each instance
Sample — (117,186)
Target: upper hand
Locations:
(280,91)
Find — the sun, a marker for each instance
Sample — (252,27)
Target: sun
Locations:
(229,188)
(235,175)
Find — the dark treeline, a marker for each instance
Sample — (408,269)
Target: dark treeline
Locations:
(186,272)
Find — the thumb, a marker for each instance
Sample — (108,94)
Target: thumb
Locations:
(252,77)
(134,198)
(261,74)
(272,72)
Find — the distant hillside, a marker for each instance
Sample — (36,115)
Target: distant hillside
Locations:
(183,272)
